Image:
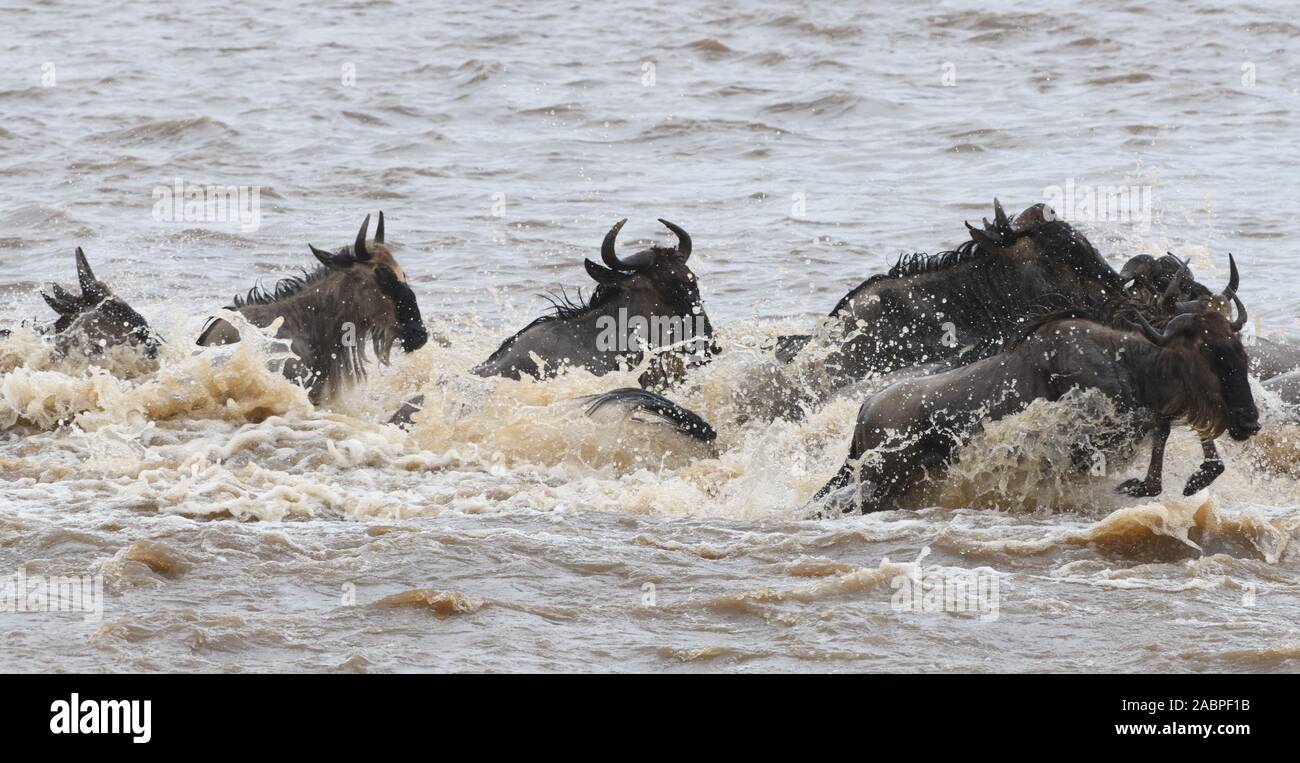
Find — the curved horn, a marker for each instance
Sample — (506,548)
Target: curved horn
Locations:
(359,248)
(1176,280)
(1172,329)
(683,239)
(1234,278)
(1240,323)
(86,277)
(1153,336)
(379,229)
(607,253)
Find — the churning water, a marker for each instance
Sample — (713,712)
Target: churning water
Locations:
(804,146)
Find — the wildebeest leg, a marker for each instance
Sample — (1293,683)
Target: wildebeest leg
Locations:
(1208,471)
(851,473)
(847,474)
(1152,485)
(879,484)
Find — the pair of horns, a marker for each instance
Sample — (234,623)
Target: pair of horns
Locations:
(1220,302)
(1000,233)
(92,292)
(1004,231)
(645,259)
(359,252)
(1189,311)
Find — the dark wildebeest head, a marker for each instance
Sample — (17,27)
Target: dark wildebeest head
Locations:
(357,296)
(1045,247)
(96,318)
(648,300)
(1157,285)
(1205,334)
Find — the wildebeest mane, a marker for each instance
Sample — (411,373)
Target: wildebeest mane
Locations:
(283,289)
(564,306)
(917,263)
(920,262)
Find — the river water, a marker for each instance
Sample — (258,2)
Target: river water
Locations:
(804,146)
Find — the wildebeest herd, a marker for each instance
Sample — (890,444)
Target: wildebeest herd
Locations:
(1024,310)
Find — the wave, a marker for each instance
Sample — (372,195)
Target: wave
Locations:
(168,131)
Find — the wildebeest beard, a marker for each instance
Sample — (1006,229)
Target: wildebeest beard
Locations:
(331,319)
(964,304)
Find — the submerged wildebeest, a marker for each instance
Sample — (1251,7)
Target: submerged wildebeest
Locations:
(1160,281)
(96,319)
(357,295)
(960,305)
(635,401)
(1270,358)
(649,301)
(1286,386)
(1194,371)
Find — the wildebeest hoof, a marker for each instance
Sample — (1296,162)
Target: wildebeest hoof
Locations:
(404,414)
(1140,488)
(850,499)
(1209,471)
(787,347)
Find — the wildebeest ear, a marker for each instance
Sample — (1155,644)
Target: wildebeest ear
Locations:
(604,275)
(981,237)
(330,259)
(90,288)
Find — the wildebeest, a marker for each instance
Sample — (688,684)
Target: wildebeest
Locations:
(357,295)
(647,301)
(1194,371)
(1285,386)
(96,318)
(1167,279)
(959,305)
(1169,286)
